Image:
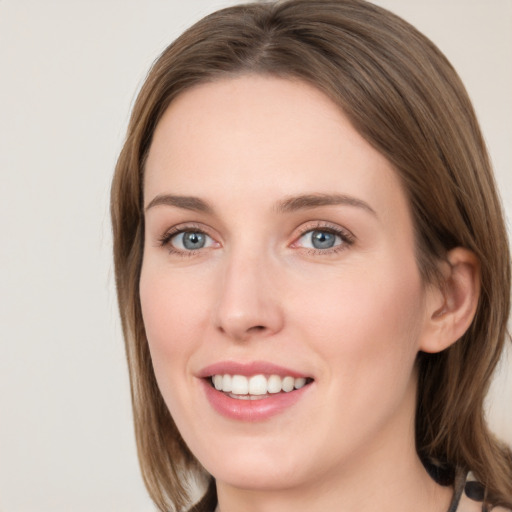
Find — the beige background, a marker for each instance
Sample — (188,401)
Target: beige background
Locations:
(69,70)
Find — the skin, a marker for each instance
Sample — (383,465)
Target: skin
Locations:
(352,317)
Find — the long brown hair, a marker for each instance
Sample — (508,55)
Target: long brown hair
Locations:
(404,98)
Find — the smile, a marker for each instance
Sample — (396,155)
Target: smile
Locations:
(253,391)
(256,387)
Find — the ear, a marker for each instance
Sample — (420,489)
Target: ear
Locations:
(452,304)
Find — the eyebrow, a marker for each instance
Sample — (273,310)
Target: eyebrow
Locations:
(305,202)
(184,202)
(291,204)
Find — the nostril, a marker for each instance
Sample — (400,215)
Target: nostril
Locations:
(243,334)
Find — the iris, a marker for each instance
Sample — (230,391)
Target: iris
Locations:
(322,239)
(193,240)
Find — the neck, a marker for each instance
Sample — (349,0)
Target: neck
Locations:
(386,475)
(393,489)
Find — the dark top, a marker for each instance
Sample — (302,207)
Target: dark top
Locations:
(469,495)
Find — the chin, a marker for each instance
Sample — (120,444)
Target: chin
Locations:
(259,466)
(258,476)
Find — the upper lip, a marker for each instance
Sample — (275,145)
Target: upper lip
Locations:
(248,369)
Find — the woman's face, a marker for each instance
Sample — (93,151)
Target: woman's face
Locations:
(279,254)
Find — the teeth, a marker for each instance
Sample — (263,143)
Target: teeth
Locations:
(239,385)
(299,383)
(217,382)
(288,384)
(274,384)
(226,383)
(257,384)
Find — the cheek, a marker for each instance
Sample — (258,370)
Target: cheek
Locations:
(368,321)
(365,333)
(173,316)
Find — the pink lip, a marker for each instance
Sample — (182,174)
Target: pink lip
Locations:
(248,369)
(250,410)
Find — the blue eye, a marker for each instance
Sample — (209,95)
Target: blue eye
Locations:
(190,241)
(320,239)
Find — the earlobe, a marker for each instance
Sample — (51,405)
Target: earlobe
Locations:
(451,306)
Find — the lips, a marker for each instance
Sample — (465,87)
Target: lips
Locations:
(248,369)
(252,391)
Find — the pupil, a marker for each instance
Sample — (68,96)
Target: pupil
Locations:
(323,240)
(193,240)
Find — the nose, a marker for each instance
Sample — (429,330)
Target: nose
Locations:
(249,303)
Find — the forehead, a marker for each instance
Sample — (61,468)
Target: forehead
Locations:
(256,136)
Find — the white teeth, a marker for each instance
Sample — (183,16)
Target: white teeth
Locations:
(226,383)
(257,384)
(288,383)
(239,385)
(274,384)
(217,382)
(299,383)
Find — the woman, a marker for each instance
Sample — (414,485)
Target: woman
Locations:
(312,268)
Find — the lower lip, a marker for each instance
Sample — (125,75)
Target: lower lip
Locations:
(251,410)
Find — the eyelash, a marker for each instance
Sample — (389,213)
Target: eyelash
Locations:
(165,239)
(347,238)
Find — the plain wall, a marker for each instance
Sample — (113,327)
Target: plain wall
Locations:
(69,71)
